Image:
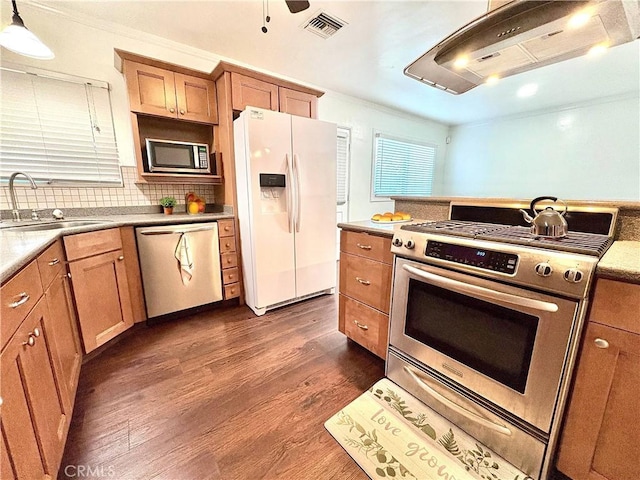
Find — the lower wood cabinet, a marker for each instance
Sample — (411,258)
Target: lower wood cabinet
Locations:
(35,417)
(100,287)
(365,289)
(600,439)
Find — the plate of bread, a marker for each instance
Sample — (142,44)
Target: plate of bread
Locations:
(389,217)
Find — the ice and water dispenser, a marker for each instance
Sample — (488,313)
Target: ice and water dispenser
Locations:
(272,193)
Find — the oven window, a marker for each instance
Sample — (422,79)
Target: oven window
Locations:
(491,339)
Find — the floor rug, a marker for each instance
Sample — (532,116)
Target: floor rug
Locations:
(391,434)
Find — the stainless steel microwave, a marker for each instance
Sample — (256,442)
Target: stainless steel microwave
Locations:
(168,156)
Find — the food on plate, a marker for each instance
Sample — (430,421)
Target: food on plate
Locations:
(391,217)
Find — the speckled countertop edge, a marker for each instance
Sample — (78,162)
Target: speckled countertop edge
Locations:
(620,262)
(17,248)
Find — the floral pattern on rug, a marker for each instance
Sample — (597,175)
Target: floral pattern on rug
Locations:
(478,460)
(386,465)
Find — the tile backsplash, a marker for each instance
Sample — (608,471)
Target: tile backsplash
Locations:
(131,194)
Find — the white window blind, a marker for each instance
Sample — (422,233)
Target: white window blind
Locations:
(57,130)
(402,167)
(344,137)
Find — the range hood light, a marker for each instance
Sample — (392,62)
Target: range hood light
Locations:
(580,19)
(461,62)
(598,50)
(492,79)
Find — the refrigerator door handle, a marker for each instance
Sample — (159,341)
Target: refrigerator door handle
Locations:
(296,172)
(289,194)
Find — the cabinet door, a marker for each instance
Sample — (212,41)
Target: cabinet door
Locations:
(251,91)
(600,436)
(102,297)
(196,99)
(64,335)
(151,89)
(34,418)
(297,103)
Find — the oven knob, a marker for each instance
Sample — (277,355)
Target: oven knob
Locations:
(573,275)
(410,244)
(397,242)
(544,269)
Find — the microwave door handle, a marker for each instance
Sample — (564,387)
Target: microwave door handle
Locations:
(481,292)
(289,193)
(503,429)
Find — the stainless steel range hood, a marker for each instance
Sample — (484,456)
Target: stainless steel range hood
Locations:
(523,35)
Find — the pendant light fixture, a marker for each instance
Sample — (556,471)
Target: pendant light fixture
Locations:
(17,38)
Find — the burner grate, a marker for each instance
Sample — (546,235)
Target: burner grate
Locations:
(575,242)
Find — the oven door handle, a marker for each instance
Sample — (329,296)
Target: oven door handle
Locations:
(503,429)
(481,292)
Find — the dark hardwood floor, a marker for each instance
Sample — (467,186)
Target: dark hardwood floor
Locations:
(221,395)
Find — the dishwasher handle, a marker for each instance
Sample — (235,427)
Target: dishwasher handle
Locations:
(174,232)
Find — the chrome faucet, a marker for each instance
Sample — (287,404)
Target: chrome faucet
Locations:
(14,203)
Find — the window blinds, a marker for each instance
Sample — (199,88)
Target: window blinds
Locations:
(402,167)
(57,130)
(344,135)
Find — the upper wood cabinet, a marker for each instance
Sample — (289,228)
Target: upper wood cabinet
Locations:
(157,91)
(600,439)
(298,103)
(247,91)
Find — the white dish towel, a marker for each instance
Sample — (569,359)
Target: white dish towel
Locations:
(185,260)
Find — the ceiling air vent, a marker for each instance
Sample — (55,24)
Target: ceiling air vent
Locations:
(323,24)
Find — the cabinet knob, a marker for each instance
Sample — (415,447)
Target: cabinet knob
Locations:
(24,298)
(121,257)
(361,325)
(227,228)
(36,332)
(172,110)
(601,343)
(181,112)
(31,341)
(53,262)
(229,260)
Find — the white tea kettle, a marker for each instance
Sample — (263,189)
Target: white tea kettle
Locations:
(549,222)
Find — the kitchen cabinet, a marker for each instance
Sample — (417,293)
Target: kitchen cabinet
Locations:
(158,91)
(229,259)
(39,369)
(365,289)
(100,286)
(599,439)
(250,91)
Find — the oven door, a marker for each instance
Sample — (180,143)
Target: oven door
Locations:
(505,344)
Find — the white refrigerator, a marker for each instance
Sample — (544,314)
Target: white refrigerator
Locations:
(286,190)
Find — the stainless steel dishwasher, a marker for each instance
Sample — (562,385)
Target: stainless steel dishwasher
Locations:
(180,266)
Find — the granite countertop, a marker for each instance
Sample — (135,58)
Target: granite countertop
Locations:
(19,248)
(620,262)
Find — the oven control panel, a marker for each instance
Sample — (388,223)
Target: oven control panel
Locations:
(476,257)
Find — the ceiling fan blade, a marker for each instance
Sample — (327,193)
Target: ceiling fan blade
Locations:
(296,6)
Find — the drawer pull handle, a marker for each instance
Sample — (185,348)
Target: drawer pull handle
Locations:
(228,260)
(363,247)
(601,343)
(227,228)
(53,262)
(360,325)
(31,341)
(363,281)
(24,298)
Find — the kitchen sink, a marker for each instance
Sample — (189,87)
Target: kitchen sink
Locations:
(58,225)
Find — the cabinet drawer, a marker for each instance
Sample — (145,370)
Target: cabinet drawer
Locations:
(92,243)
(366,280)
(227,245)
(616,304)
(231,291)
(230,275)
(226,228)
(18,295)
(228,260)
(365,245)
(364,325)
(50,263)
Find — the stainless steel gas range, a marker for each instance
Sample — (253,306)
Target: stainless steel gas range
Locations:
(485,326)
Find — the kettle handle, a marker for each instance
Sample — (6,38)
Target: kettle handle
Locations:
(539,199)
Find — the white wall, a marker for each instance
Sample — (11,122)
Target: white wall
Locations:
(581,152)
(363,118)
